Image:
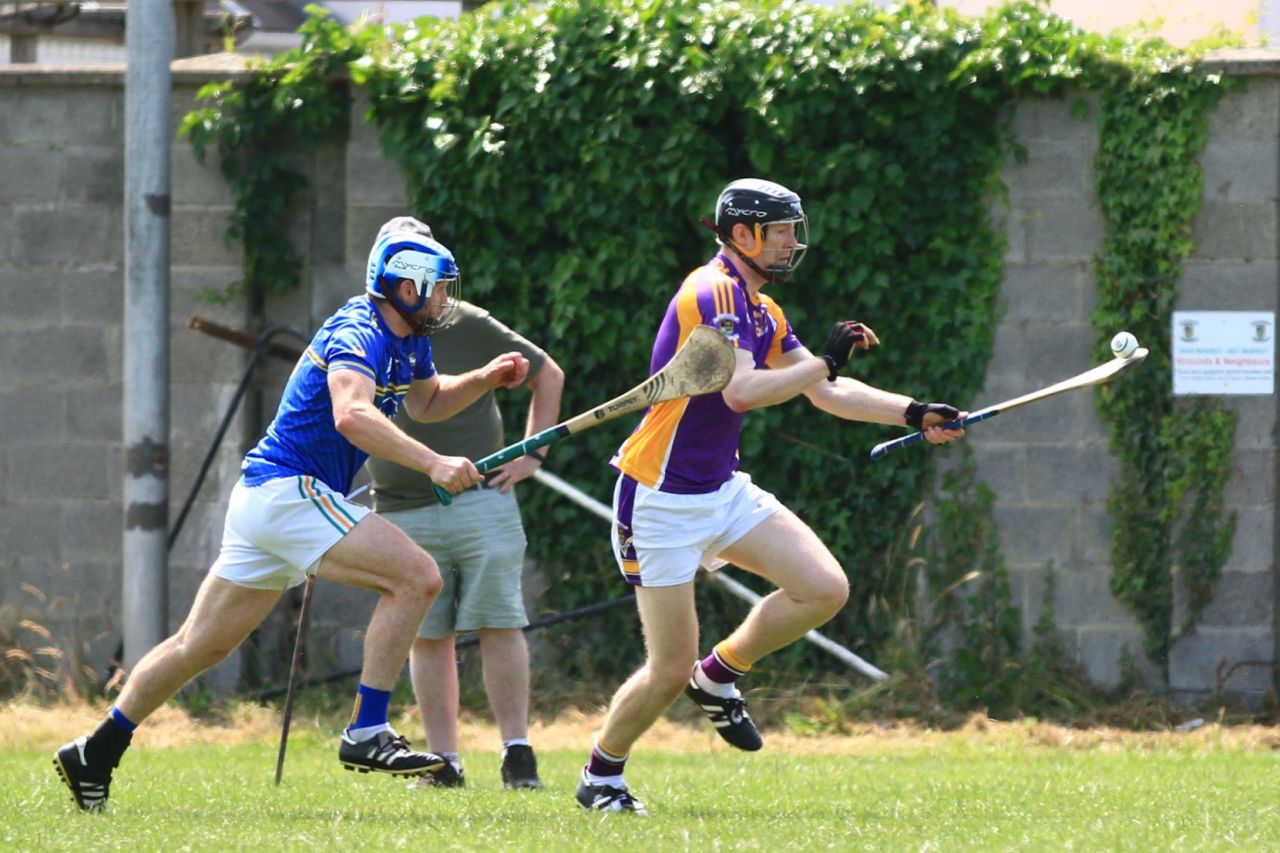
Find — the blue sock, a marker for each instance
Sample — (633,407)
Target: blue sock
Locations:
(122,721)
(371,707)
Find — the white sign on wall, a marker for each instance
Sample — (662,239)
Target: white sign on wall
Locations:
(1224,352)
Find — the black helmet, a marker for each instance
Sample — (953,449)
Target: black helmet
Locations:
(757,203)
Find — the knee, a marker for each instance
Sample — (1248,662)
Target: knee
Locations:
(669,677)
(824,591)
(419,579)
(832,592)
(432,583)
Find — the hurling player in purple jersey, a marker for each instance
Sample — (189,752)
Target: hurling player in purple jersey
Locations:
(289,515)
(681,503)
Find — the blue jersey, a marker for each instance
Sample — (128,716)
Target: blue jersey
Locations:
(302,438)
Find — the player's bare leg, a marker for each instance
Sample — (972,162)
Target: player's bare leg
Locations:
(811,585)
(377,555)
(221,617)
(812,588)
(670,623)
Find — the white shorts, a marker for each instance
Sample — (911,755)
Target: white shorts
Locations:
(661,539)
(276,532)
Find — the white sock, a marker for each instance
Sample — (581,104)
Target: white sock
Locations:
(611,781)
(715,688)
(515,741)
(367,732)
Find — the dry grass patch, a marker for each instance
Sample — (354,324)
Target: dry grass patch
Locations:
(26,724)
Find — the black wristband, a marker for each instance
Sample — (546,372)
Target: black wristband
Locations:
(831,367)
(540,455)
(914,415)
(916,410)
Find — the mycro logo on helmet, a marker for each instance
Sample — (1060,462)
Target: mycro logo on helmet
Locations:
(401,263)
(743,211)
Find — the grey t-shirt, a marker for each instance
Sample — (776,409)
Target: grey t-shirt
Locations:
(470,340)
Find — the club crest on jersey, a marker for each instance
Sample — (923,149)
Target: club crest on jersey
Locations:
(625,540)
(727,324)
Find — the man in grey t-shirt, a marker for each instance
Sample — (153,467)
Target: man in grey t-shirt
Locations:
(479,544)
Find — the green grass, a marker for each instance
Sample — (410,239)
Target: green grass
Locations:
(961,794)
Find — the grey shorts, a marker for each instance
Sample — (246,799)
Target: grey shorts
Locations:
(479,545)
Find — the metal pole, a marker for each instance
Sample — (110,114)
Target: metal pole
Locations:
(147,133)
(294,668)
(598,509)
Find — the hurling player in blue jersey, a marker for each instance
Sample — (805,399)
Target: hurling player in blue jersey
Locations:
(289,517)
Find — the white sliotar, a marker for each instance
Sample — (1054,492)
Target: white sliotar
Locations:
(1124,344)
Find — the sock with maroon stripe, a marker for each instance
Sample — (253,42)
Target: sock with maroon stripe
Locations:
(605,768)
(716,676)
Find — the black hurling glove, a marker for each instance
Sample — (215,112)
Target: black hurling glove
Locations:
(916,411)
(844,335)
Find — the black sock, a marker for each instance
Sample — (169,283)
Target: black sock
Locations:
(105,746)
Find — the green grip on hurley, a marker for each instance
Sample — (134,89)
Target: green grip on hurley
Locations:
(506,454)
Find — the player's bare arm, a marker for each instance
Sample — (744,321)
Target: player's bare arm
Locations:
(857,401)
(792,373)
(361,422)
(854,400)
(751,388)
(547,386)
(446,395)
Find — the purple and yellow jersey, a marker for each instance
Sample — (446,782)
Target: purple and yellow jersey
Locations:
(690,446)
(302,439)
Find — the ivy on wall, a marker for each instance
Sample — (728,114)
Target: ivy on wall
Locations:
(1175,458)
(565,152)
(282,107)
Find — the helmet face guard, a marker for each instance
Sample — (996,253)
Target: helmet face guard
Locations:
(421,260)
(759,204)
(779,269)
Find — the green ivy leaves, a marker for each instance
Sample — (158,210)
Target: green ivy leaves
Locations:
(296,102)
(1167,509)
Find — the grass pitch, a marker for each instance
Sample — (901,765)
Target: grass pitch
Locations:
(990,786)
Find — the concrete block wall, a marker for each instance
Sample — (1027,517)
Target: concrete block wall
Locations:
(61,328)
(1236,266)
(1050,466)
(61,256)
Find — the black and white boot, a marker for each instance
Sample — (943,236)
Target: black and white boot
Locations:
(729,715)
(387,752)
